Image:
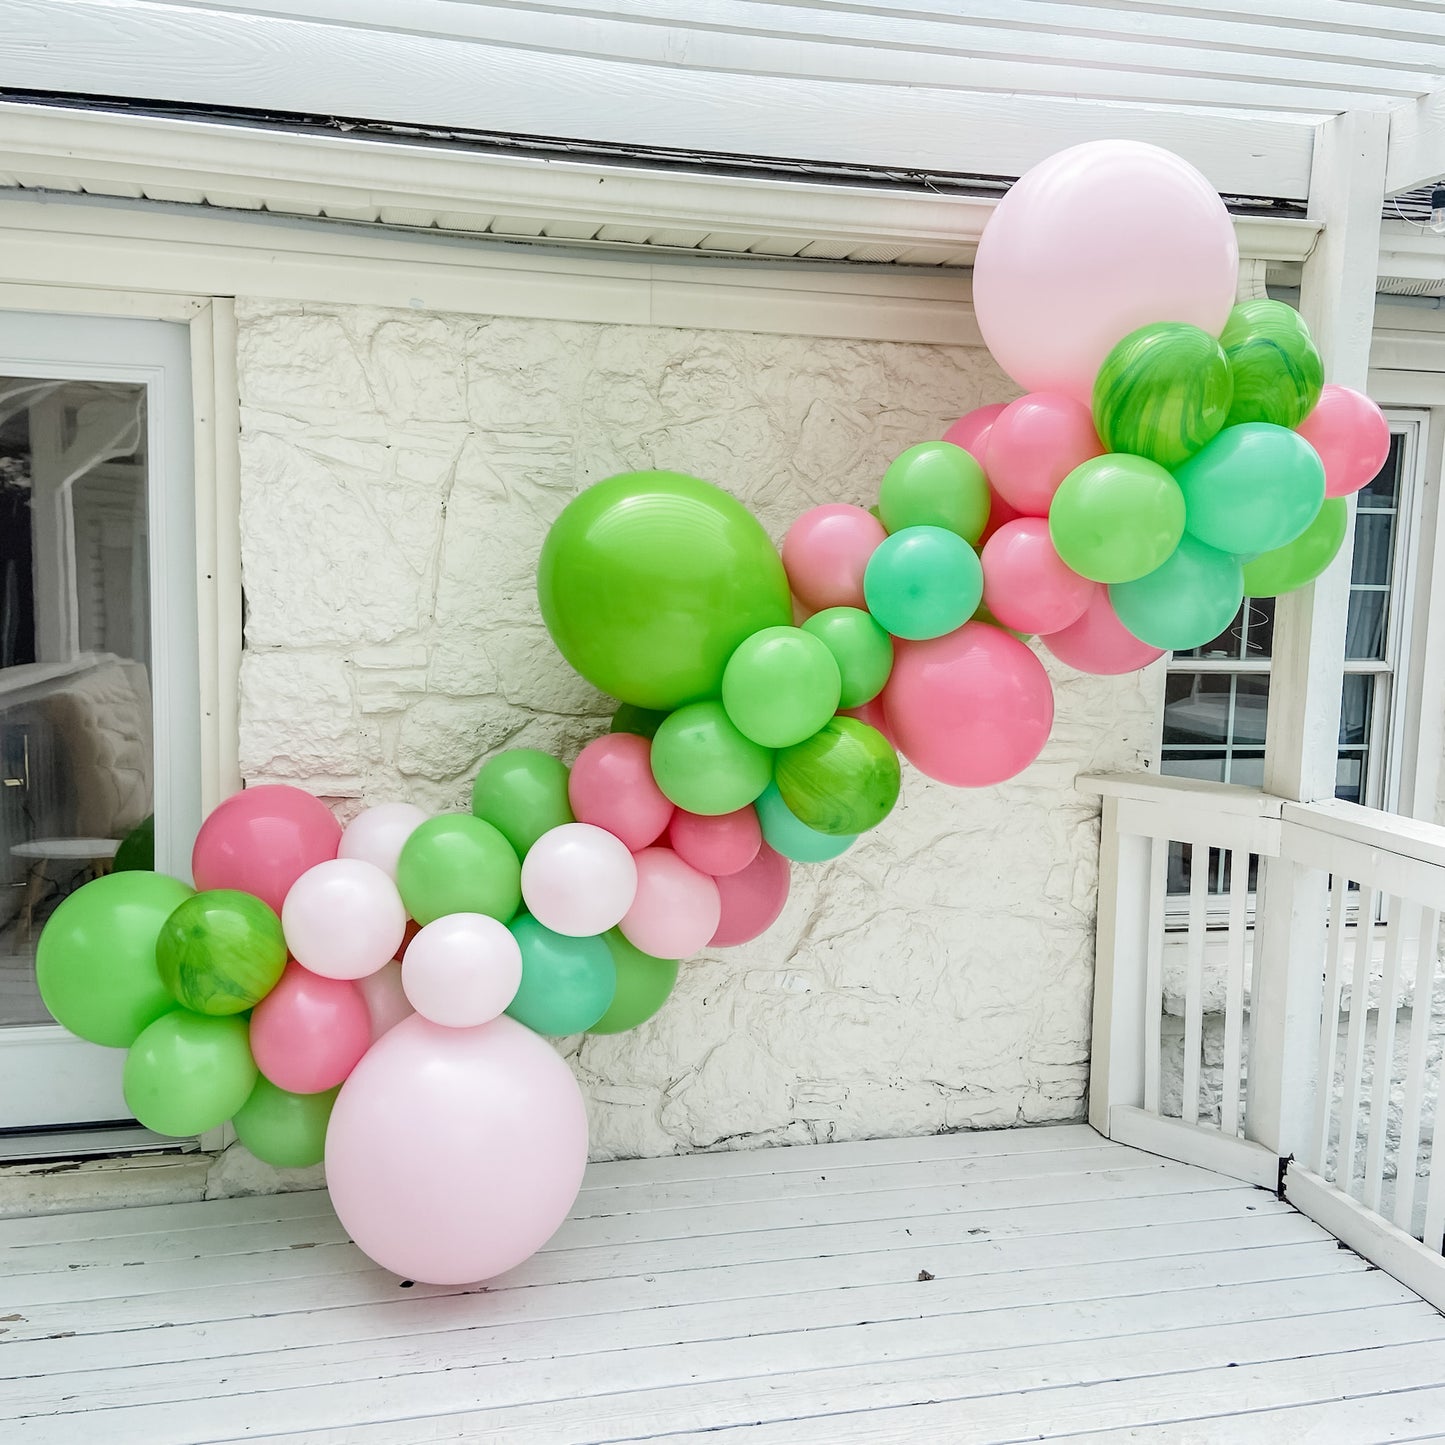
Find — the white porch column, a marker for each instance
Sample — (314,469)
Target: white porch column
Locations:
(1337,298)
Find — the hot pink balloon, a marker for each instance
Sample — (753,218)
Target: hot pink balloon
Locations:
(454,1154)
(1034,445)
(875,715)
(1091,244)
(308,1032)
(578,879)
(462,970)
(611,786)
(971,430)
(377,835)
(751,899)
(970,708)
(386,1000)
(1352,437)
(343,918)
(262,840)
(826,552)
(676,910)
(1098,642)
(719,845)
(1026,584)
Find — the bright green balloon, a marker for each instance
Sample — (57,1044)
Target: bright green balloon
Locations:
(1254,488)
(923,582)
(784,832)
(1116,517)
(187,1073)
(935,484)
(704,764)
(643,984)
(1186,602)
(522,793)
(458,864)
(641,721)
(221,952)
(96,961)
(842,781)
(649,581)
(1162,392)
(567,983)
(781,686)
(1276,368)
(287,1131)
(862,649)
(1302,560)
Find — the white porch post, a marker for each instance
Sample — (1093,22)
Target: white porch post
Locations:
(1338,300)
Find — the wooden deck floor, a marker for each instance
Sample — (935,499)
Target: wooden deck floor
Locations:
(980,1287)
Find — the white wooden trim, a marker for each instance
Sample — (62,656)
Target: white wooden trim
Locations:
(1190,1144)
(1417,143)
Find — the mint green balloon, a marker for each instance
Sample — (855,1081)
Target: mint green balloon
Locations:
(643,985)
(568,984)
(784,832)
(1275,366)
(458,864)
(1302,560)
(935,484)
(842,781)
(1162,392)
(862,649)
(188,1072)
(221,951)
(287,1131)
(1116,517)
(922,582)
(522,793)
(1186,602)
(704,764)
(781,686)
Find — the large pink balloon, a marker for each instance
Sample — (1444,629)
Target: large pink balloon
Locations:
(719,845)
(308,1033)
(751,899)
(262,840)
(826,552)
(971,430)
(1098,642)
(611,786)
(1091,244)
(343,918)
(970,708)
(676,910)
(578,879)
(1025,582)
(1037,441)
(1352,437)
(454,1154)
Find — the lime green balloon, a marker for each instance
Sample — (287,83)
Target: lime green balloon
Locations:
(96,961)
(137,851)
(522,793)
(458,864)
(862,649)
(643,722)
(287,1131)
(935,484)
(1186,602)
(704,764)
(1116,517)
(781,686)
(842,781)
(643,986)
(1277,371)
(221,951)
(187,1073)
(1302,560)
(567,983)
(649,581)
(1162,392)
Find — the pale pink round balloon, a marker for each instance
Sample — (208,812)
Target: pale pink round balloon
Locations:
(1026,584)
(343,918)
(462,970)
(751,899)
(454,1154)
(1098,642)
(970,708)
(386,1000)
(611,786)
(1352,437)
(676,910)
(308,1033)
(1037,441)
(578,879)
(1091,244)
(826,553)
(971,430)
(377,835)
(718,845)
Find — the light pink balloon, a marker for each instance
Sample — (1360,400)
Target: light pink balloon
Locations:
(386,1000)
(454,1154)
(873,713)
(611,786)
(751,899)
(971,430)
(1034,445)
(719,845)
(343,919)
(1091,244)
(676,910)
(826,552)
(970,708)
(1352,437)
(579,880)
(1026,584)
(1098,642)
(308,1033)
(462,970)
(376,835)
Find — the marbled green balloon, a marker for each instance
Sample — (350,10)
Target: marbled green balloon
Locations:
(221,952)
(1162,393)
(841,781)
(1272,358)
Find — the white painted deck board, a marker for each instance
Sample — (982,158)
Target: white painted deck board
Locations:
(1078,1288)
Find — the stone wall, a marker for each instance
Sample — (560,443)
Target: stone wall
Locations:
(399,472)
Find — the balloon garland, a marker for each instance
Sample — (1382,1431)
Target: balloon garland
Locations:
(378,995)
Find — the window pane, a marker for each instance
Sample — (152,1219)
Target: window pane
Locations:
(1355,709)
(1247,769)
(1251,700)
(1350,775)
(1384,490)
(1196,707)
(1259,640)
(1365,625)
(1374,547)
